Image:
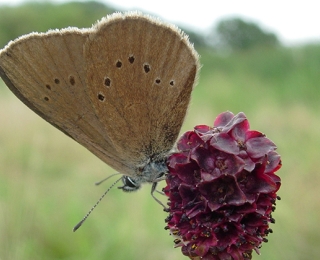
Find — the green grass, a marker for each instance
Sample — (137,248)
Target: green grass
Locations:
(46,179)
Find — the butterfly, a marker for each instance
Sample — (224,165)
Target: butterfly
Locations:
(121,88)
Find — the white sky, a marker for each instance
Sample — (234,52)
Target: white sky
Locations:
(293,21)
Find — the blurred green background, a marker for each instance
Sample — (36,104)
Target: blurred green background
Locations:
(46,179)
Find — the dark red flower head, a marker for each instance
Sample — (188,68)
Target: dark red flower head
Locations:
(222,189)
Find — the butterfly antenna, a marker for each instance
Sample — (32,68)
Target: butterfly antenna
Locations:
(95,205)
(99,182)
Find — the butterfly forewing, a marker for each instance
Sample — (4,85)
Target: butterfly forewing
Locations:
(121,89)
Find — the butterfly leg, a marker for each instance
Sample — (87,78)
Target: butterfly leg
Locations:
(160,192)
(153,189)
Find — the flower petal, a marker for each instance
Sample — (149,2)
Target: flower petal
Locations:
(224,142)
(237,119)
(188,141)
(222,191)
(259,146)
(223,119)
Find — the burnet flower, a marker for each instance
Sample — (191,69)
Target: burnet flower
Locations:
(222,190)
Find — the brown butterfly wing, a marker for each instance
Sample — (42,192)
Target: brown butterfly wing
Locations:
(140,74)
(122,112)
(47,72)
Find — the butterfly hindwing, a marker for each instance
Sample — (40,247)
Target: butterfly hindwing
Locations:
(140,75)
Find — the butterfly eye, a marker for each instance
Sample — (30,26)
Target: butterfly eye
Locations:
(129,184)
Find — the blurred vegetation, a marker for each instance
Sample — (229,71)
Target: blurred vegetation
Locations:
(232,34)
(42,16)
(44,175)
(237,34)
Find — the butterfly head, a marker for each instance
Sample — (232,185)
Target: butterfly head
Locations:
(152,171)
